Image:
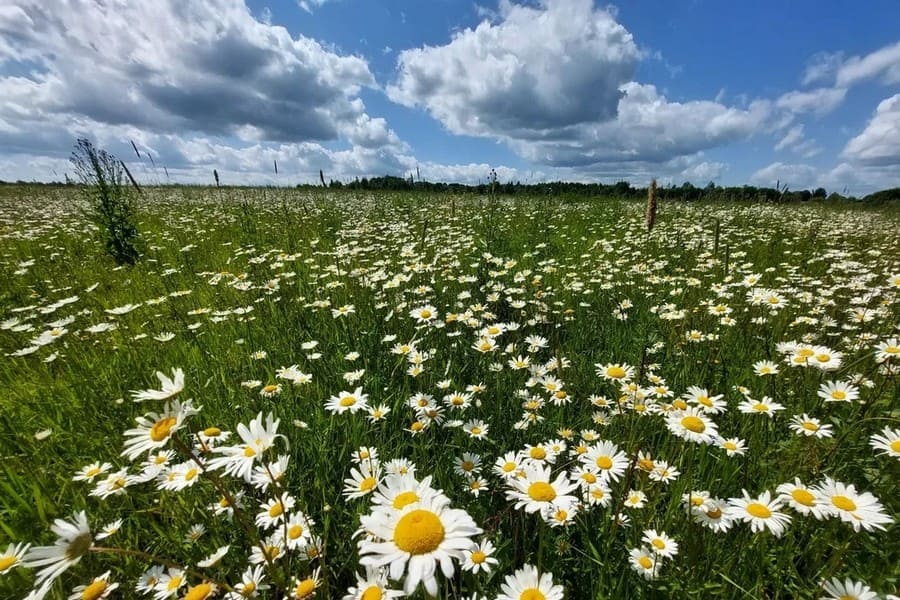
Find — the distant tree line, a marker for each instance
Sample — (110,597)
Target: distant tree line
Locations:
(622,189)
(685,192)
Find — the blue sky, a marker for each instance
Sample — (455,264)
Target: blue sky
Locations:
(805,93)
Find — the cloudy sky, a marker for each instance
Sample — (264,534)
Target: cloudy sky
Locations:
(803,92)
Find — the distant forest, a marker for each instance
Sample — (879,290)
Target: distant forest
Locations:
(622,189)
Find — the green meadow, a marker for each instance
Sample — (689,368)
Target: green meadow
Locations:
(385,395)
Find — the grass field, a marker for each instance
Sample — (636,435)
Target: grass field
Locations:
(471,385)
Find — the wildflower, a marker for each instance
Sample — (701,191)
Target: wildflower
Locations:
(480,558)
(12,557)
(660,544)
(847,590)
(528,583)
(693,425)
(761,512)
(838,391)
(535,490)
(98,588)
(809,426)
(644,562)
(347,401)
(861,510)
(887,442)
(74,540)
(417,538)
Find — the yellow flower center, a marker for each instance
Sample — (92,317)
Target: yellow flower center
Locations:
(6,562)
(295,531)
(249,452)
(94,590)
(467,465)
(843,503)
(541,491)
(805,352)
(475,431)
(305,588)
(199,592)
(658,543)
(645,562)
(895,446)
(714,513)
(532,594)
(823,358)
(425,314)
(276,510)
(615,372)
(729,446)
(347,401)
(212,432)
(419,532)
(561,515)
(93,472)
(692,423)
(174,583)
(597,493)
(367,484)
(704,400)
(892,349)
(809,426)
(803,497)
(478,557)
(760,407)
(79,546)
(839,395)
(162,429)
(538,453)
(679,404)
(509,467)
(604,462)
(645,464)
(589,477)
(697,500)
(760,511)
(373,592)
(190,474)
(248,589)
(270,388)
(417,426)
(271,552)
(404,499)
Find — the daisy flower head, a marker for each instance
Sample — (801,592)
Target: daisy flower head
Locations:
(609,460)
(801,498)
(536,489)
(480,557)
(761,512)
(860,510)
(888,350)
(764,406)
(155,429)
(362,481)
(98,588)
(835,589)
(74,540)
(274,511)
(415,540)
(887,442)
(371,586)
(169,387)
(89,472)
(615,372)
(528,583)
(251,584)
(476,428)
(765,367)
(397,491)
(714,514)
(733,446)
(659,543)
(692,425)
(705,401)
(12,557)
(303,589)
(838,391)
(347,401)
(809,426)
(644,562)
